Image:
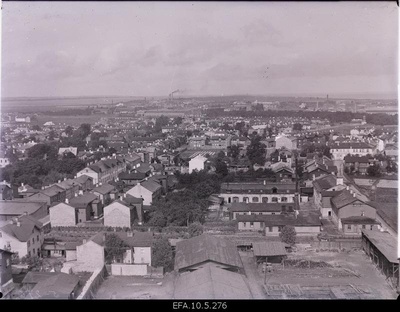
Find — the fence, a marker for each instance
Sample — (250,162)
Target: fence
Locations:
(93,284)
(338,244)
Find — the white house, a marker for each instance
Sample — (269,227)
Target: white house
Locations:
(4,161)
(197,163)
(73,150)
(22,236)
(63,214)
(285,141)
(118,215)
(148,190)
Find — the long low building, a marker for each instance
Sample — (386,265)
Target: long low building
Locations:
(237,209)
(14,208)
(304,223)
(261,192)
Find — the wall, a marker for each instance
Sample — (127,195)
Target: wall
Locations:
(128,269)
(139,191)
(62,215)
(93,284)
(226,196)
(307,229)
(356,210)
(117,215)
(142,255)
(16,246)
(91,174)
(70,255)
(257,226)
(91,254)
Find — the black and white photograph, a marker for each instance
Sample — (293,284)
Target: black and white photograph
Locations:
(199,153)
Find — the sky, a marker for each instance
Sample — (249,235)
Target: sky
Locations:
(200,48)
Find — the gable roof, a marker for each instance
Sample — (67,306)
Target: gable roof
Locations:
(269,249)
(52,190)
(138,239)
(325,182)
(152,186)
(82,201)
(345,198)
(104,189)
(132,176)
(59,286)
(24,231)
(384,242)
(210,282)
(206,248)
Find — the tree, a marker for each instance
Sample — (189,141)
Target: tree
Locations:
(233,151)
(115,247)
(161,255)
(195,229)
(374,171)
(288,235)
(47,151)
(69,131)
(36,128)
(297,127)
(177,120)
(256,151)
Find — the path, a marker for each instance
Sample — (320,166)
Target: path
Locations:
(254,280)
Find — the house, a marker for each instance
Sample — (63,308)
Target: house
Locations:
(358,164)
(220,142)
(106,193)
(211,283)
(148,190)
(133,160)
(305,223)
(22,236)
(386,215)
(157,169)
(66,150)
(283,171)
(289,143)
(51,195)
(144,168)
(4,161)
(56,248)
(64,214)
(70,186)
(340,150)
(273,252)
(237,209)
(139,247)
(352,214)
(326,187)
(54,286)
(104,170)
(6,192)
(6,279)
(88,206)
(117,214)
(197,142)
(197,163)
(14,208)
(131,178)
(258,192)
(194,253)
(381,247)
(90,254)
(137,204)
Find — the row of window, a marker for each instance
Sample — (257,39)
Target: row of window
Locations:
(349,227)
(270,228)
(33,240)
(256,199)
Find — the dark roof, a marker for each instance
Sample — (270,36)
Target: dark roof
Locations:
(354,159)
(358,220)
(330,193)
(35,277)
(206,248)
(258,207)
(151,185)
(325,182)
(132,176)
(384,242)
(129,199)
(138,239)
(16,207)
(269,249)
(302,219)
(347,145)
(287,188)
(52,190)
(59,286)
(82,179)
(104,189)
(82,201)
(388,212)
(345,198)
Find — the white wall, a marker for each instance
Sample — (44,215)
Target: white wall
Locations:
(62,215)
(128,269)
(116,215)
(142,255)
(70,255)
(91,254)
(139,191)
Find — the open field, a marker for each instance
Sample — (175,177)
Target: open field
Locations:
(332,275)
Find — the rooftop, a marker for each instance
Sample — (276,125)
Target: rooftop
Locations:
(384,242)
(269,249)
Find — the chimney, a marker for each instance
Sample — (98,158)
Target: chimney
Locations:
(22,184)
(76,194)
(313,177)
(265,182)
(347,188)
(65,179)
(249,213)
(18,223)
(67,201)
(124,195)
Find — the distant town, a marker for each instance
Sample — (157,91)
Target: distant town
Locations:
(257,197)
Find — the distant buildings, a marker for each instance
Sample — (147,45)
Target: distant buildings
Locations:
(340,150)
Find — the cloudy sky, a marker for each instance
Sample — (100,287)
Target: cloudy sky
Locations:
(153,48)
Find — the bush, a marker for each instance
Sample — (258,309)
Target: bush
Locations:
(288,235)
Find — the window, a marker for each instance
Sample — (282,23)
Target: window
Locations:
(265,199)
(363,226)
(255,199)
(7,263)
(349,226)
(38,238)
(284,199)
(33,240)
(0,235)
(245,199)
(251,224)
(274,190)
(274,199)
(244,224)
(29,253)
(270,228)
(33,250)
(371,227)
(29,243)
